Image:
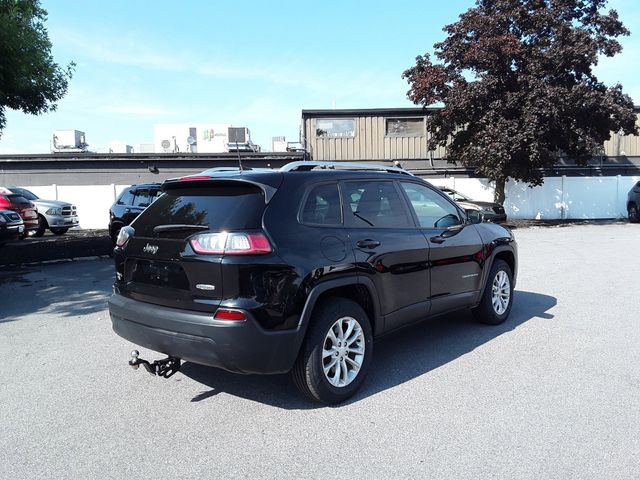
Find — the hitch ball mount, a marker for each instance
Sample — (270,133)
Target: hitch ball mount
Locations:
(162,368)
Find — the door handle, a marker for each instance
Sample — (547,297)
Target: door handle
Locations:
(437,239)
(367,243)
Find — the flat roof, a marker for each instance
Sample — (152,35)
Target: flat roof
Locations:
(379,112)
(350,112)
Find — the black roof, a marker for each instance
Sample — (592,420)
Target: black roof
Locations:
(367,112)
(378,112)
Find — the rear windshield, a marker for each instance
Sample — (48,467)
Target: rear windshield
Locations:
(24,193)
(17,199)
(222,207)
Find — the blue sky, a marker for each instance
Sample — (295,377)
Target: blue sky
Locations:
(251,63)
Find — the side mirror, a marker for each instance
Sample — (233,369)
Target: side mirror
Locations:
(474,216)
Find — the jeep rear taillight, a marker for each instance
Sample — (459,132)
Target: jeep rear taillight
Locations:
(124,235)
(231,243)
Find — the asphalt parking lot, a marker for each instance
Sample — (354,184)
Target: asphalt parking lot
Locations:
(553,393)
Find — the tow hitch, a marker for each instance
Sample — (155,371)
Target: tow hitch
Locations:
(163,368)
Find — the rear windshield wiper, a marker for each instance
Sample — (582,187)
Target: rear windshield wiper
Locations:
(178,227)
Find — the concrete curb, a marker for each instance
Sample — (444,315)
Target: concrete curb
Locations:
(73,246)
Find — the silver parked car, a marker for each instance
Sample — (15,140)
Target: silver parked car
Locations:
(55,215)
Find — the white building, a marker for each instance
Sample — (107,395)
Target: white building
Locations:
(191,137)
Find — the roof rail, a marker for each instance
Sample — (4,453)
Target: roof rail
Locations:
(233,169)
(305,166)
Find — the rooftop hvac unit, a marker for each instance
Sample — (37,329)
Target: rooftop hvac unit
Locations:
(192,140)
(238,135)
(166,146)
(69,141)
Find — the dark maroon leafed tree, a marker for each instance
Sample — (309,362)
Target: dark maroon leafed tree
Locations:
(518,92)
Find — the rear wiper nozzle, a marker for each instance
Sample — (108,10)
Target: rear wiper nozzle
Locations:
(178,227)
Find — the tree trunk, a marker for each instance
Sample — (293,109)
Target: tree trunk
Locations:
(499,191)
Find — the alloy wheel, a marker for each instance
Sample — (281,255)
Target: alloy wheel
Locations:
(500,292)
(343,352)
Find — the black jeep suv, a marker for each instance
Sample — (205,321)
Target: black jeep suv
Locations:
(298,269)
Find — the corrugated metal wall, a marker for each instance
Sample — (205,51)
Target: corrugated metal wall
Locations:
(370,142)
(623,145)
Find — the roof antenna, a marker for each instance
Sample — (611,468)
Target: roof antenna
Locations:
(233,137)
(239,159)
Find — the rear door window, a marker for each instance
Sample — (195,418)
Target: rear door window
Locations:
(322,206)
(219,207)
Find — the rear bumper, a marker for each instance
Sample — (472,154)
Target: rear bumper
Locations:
(240,347)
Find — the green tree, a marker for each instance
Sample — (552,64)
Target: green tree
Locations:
(516,81)
(30,80)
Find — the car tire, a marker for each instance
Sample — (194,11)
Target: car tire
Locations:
(331,378)
(497,296)
(42,226)
(59,230)
(632,210)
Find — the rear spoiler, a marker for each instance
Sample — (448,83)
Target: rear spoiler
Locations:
(207,181)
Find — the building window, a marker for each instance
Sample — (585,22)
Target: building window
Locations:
(404,127)
(336,127)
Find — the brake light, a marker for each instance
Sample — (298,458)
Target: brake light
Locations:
(4,201)
(233,243)
(195,177)
(230,315)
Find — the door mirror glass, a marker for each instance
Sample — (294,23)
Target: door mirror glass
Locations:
(474,216)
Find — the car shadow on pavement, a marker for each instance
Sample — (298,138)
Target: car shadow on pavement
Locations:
(69,289)
(399,357)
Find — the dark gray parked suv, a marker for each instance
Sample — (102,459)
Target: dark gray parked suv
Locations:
(633,203)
